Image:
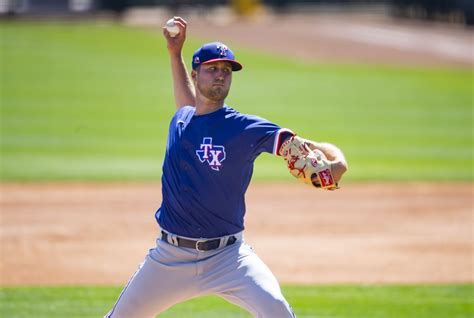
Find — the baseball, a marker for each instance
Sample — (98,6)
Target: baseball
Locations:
(172,28)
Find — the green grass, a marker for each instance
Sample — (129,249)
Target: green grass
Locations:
(84,101)
(392,301)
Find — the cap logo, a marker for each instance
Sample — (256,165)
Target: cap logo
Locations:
(222,49)
(196,60)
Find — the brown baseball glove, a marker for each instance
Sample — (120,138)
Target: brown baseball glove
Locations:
(309,166)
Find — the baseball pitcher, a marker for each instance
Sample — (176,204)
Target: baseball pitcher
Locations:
(207,168)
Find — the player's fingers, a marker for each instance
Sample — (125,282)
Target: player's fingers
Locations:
(181,20)
(182,28)
(182,24)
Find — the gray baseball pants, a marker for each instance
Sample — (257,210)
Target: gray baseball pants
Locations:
(171,274)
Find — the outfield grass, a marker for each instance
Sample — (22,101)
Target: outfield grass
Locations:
(435,301)
(92,102)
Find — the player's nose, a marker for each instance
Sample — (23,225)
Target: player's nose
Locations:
(219,77)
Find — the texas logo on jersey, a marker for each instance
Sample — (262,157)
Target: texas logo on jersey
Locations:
(212,154)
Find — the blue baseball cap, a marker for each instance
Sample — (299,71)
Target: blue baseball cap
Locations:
(215,51)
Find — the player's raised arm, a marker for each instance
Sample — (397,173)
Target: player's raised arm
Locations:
(183,86)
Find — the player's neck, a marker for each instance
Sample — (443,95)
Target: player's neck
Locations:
(206,106)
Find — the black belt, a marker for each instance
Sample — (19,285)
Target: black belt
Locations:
(199,245)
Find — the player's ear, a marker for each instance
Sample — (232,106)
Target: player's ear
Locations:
(193,74)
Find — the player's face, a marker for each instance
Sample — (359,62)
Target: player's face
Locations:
(213,80)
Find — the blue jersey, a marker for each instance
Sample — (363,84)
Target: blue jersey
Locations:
(207,169)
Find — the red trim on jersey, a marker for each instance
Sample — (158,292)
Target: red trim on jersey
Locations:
(279,139)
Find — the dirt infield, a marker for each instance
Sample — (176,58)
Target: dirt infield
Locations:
(379,233)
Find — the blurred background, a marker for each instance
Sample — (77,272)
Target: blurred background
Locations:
(455,11)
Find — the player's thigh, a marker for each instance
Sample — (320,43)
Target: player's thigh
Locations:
(251,285)
(154,288)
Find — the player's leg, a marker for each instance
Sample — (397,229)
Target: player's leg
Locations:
(159,283)
(242,278)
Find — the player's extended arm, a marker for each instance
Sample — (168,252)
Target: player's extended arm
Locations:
(184,93)
(319,164)
(334,155)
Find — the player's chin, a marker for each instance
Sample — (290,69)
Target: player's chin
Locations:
(218,93)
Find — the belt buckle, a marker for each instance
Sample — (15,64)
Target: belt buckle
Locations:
(197,245)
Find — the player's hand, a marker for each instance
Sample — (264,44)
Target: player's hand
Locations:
(334,156)
(175,44)
(310,166)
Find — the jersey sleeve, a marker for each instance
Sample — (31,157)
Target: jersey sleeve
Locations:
(181,118)
(265,136)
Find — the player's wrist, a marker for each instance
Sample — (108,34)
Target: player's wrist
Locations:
(175,53)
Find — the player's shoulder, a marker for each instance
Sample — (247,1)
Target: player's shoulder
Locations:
(185,110)
(231,113)
(184,113)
